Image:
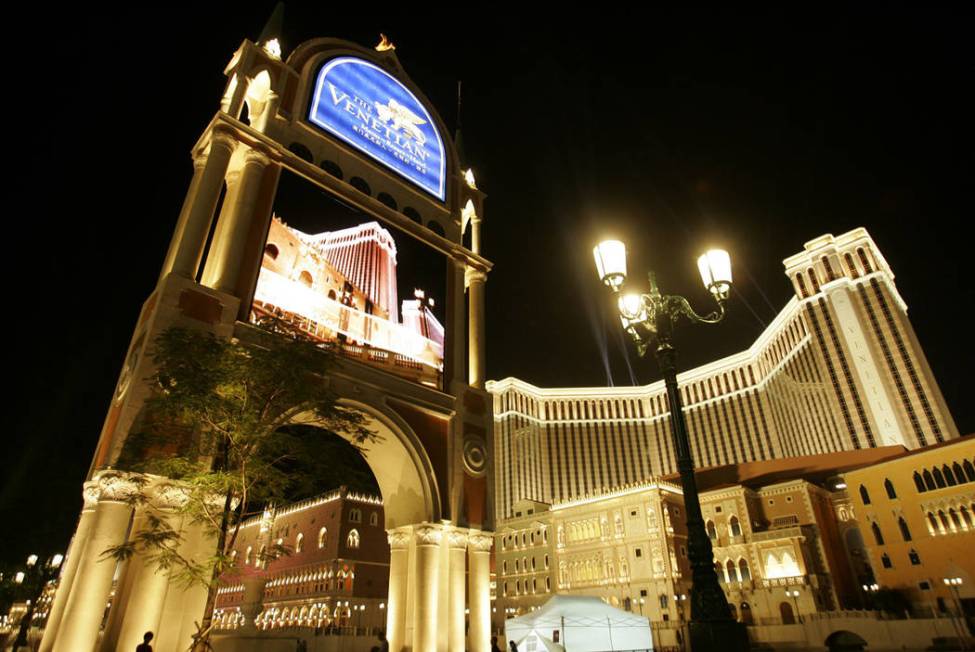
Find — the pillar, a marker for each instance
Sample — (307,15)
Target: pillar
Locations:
(479,594)
(399,555)
(476,279)
(149,584)
(193,226)
(86,606)
(70,568)
(475,234)
(456,634)
(229,240)
(425,631)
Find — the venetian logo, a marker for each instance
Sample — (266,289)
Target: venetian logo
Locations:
(369,109)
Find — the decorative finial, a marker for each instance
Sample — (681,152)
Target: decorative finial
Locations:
(384,44)
(469,178)
(273,47)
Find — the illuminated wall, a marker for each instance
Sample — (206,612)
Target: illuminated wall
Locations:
(838,369)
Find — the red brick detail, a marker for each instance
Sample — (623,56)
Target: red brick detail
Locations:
(432,433)
(199,306)
(475,499)
(474,402)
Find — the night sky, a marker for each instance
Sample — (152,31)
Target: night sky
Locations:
(672,131)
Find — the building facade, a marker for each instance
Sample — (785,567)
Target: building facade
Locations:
(838,369)
(318,565)
(775,527)
(916,517)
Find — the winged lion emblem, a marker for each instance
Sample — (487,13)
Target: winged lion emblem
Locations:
(402,119)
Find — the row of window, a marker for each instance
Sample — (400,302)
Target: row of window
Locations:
(526,538)
(521,565)
(534,587)
(946,476)
(952,522)
(914,558)
(734,528)
(732,572)
(351,541)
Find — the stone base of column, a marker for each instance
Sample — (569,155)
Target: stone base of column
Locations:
(724,635)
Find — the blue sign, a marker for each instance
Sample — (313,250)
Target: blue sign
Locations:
(371,110)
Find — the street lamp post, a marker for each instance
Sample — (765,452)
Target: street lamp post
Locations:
(953,583)
(650,319)
(794,594)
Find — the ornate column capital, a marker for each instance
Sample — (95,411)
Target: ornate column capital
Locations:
(90,492)
(428,535)
(255,156)
(399,539)
(168,495)
(480,541)
(118,486)
(457,539)
(473,275)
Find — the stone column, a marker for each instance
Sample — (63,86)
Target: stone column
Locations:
(147,593)
(70,568)
(427,599)
(195,217)
(399,554)
(89,596)
(475,280)
(475,234)
(479,596)
(224,259)
(457,599)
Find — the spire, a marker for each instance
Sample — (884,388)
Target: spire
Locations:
(458,138)
(274,25)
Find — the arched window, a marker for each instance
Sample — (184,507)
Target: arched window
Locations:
(945,526)
(919,483)
(969,470)
(965,517)
(939,479)
(905,532)
(864,495)
(352,541)
(712,531)
(955,521)
(360,184)
(732,571)
(374,518)
(878,537)
(305,278)
(743,570)
(914,557)
(949,475)
(788,617)
(959,473)
(719,569)
(889,488)
(299,542)
(504,567)
(932,524)
(322,537)
(929,480)
(248,557)
(355,516)
(271,250)
(885,561)
(546,556)
(435,226)
(746,614)
(734,526)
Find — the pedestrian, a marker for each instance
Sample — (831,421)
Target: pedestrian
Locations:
(494,644)
(383,643)
(513,646)
(144,645)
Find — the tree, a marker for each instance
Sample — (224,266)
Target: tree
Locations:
(223,423)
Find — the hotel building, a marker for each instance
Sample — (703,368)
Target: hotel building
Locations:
(838,369)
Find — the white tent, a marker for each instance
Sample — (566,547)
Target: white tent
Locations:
(578,624)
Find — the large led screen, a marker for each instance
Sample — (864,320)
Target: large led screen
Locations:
(344,277)
(365,106)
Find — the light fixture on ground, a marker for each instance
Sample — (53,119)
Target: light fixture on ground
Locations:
(650,320)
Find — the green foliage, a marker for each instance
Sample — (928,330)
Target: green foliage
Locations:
(225,425)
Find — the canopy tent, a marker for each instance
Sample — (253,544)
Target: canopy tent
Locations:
(578,624)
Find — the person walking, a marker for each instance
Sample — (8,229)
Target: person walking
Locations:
(494,644)
(513,646)
(144,645)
